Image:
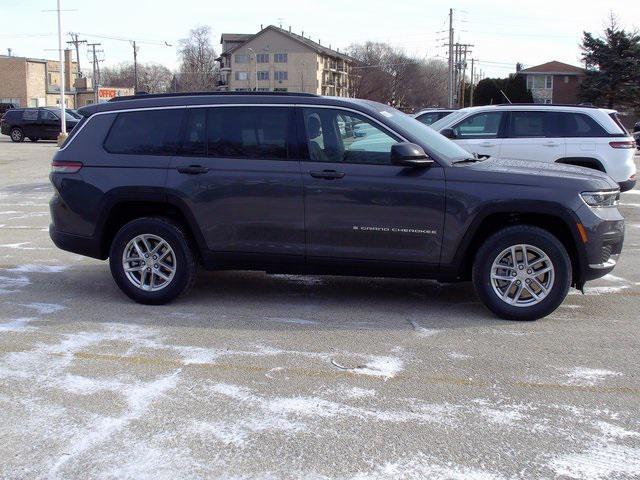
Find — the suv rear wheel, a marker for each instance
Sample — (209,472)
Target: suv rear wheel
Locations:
(152,260)
(16,134)
(522,273)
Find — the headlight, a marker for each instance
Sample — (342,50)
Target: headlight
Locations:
(601,199)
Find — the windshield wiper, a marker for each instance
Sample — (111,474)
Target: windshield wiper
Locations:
(466,160)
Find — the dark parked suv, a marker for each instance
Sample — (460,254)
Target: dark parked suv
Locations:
(41,123)
(281,183)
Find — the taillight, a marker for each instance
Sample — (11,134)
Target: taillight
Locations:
(65,167)
(625,144)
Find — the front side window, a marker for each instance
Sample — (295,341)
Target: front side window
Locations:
(580,125)
(481,125)
(240,58)
(248,132)
(280,58)
(47,115)
(262,58)
(532,124)
(149,132)
(344,137)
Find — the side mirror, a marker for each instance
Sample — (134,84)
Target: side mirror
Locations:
(448,132)
(409,155)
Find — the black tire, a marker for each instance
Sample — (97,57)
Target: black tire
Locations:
(518,235)
(34,139)
(16,134)
(185,259)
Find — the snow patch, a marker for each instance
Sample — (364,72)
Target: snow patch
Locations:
(299,279)
(589,376)
(422,331)
(38,268)
(12,284)
(600,462)
(297,321)
(43,308)
(17,325)
(385,367)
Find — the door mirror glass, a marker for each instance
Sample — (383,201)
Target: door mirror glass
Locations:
(407,154)
(448,132)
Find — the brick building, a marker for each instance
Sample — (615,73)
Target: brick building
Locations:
(554,82)
(34,82)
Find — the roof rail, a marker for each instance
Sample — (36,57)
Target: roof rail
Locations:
(197,94)
(574,105)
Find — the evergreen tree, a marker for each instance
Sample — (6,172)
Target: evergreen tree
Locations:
(613,62)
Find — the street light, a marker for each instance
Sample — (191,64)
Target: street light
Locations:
(63,113)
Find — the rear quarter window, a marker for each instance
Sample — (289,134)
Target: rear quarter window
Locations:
(579,125)
(149,132)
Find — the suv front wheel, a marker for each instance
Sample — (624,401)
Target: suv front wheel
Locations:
(152,260)
(522,273)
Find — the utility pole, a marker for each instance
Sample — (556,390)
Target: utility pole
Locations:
(473,84)
(450,79)
(95,68)
(135,67)
(76,42)
(461,50)
(63,116)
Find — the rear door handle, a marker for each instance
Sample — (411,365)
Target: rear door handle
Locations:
(487,144)
(193,170)
(326,174)
(551,144)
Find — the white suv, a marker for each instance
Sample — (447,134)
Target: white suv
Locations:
(576,135)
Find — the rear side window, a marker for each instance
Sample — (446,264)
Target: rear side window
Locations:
(150,132)
(248,132)
(616,120)
(30,115)
(533,124)
(580,125)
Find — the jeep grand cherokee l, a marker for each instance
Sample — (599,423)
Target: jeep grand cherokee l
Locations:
(160,184)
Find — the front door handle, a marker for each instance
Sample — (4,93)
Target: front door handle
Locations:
(193,170)
(551,144)
(326,174)
(487,144)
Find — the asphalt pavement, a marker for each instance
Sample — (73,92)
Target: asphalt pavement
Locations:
(257,376)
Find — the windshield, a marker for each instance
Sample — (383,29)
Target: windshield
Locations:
(435,142)
(448,120)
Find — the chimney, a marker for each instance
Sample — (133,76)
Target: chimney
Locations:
(302,35)
(68,65)
(319,42)
(289,28)
(261,27)
(8,51)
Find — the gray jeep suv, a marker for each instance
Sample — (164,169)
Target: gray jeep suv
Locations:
(296,183)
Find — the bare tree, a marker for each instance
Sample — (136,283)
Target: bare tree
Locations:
(198,68)
(152,77)
(386,74)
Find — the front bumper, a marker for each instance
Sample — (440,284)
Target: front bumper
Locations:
(600,253)
(627,185)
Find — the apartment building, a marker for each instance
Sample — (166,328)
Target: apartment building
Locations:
(554,82)
(275,59)
(34,82)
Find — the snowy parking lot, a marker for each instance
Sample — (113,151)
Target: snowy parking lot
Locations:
(257,376)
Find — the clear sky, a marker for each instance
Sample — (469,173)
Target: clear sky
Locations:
(503,32)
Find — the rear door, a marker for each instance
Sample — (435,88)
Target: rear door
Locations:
(239,176)
(480,133)
(533,135)
(49,124)
(30,122)
(358,205)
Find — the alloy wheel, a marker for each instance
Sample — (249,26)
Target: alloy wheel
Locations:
(149,262)
(522,275)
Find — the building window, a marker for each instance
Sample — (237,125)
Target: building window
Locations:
(241,58)
(539,81)
(263,89)
(242,75)
(262,58)
(280,76)
(549,81)
(566,79)
(280,89)
(280,58)
(263,75)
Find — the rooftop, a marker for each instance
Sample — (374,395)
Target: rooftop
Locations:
(555,67)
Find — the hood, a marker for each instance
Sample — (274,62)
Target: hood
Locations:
(544,174)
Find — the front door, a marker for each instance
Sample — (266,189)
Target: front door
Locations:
(480,134)
(49,124)
(239,177)
(534,136)
(358,205)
